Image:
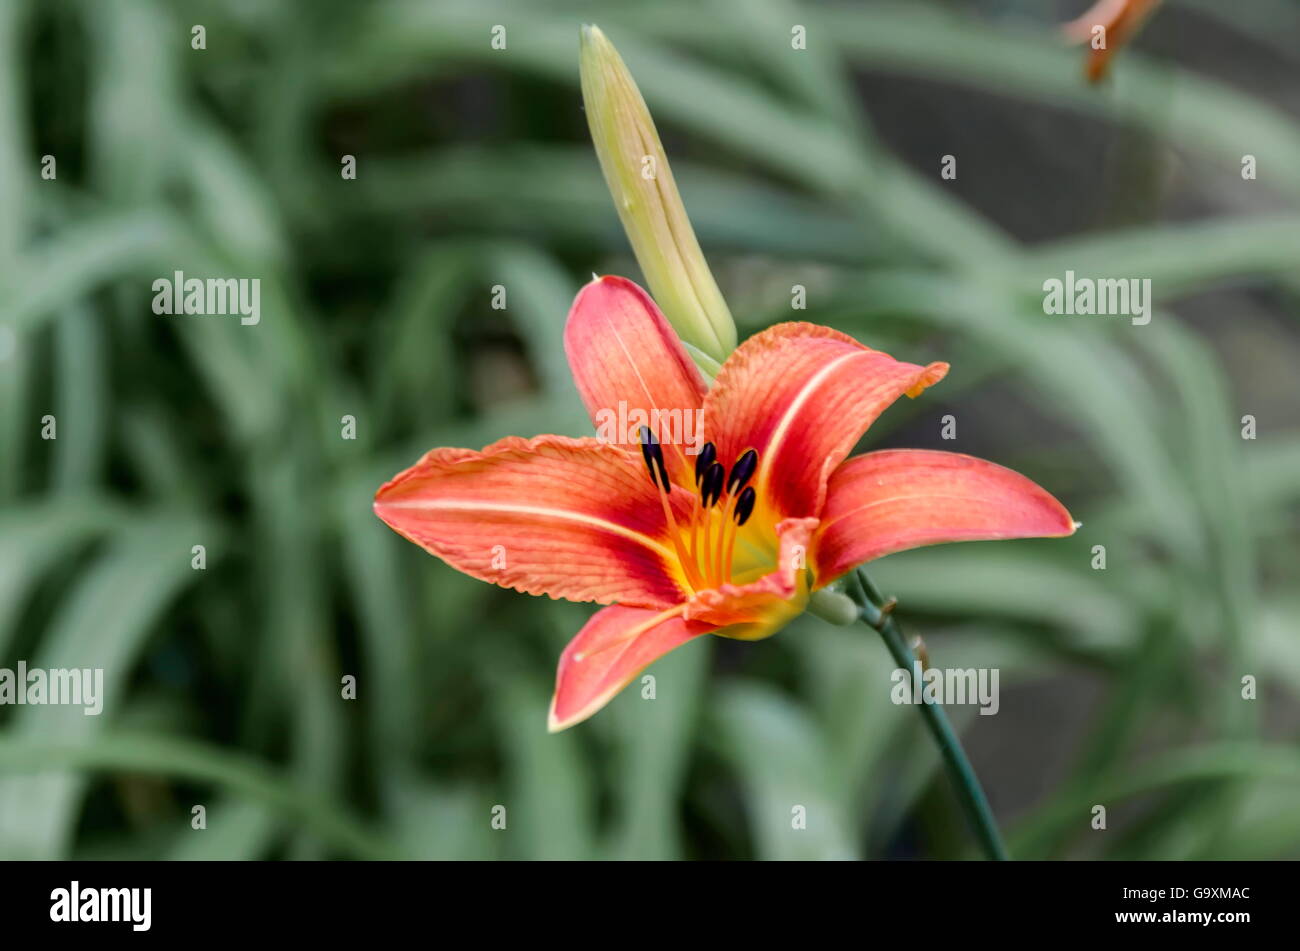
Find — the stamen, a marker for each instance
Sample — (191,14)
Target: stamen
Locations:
(724,543)
(742,471)
(718,557)
(745,505)
(654,462)
(708,455)
(744,508)
(711,487)
(709,562)
(653,454)
(704,563)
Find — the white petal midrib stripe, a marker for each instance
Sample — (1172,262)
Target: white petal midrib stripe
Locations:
(773,447)
(564,514)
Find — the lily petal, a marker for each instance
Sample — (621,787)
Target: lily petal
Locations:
(612,648)
(571,518)
(1120,21)
(802,395)
(621,349)
(896,499)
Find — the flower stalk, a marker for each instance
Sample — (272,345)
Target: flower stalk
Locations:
(876,612)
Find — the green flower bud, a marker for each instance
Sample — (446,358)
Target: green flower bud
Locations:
(645,194)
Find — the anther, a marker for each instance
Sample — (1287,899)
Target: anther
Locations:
(708,455)
(653,455)
(745,505)
(711,484)
(742,471)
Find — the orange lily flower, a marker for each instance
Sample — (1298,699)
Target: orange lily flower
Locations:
(725,536)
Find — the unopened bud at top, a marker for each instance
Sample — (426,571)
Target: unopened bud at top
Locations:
(645,194)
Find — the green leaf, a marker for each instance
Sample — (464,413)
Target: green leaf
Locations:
(200,763)
(102,625)
(786,772)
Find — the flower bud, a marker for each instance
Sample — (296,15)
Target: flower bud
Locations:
(636,170)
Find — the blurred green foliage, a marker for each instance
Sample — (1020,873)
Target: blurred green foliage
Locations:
(1120,687)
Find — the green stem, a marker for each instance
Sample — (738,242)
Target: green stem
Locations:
(969,791)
